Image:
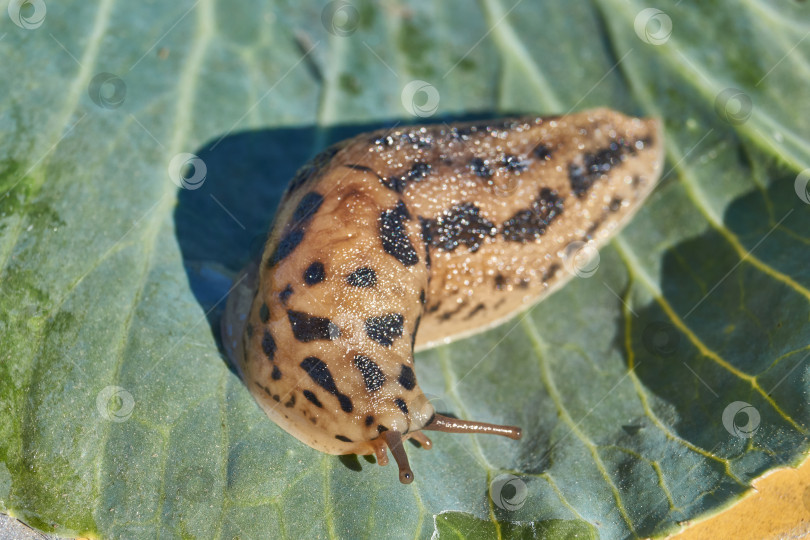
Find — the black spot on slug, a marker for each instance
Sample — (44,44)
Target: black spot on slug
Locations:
(426,238)
(361,168)
(369,420)
(513,163)
(372,374)
(345,403)
(401,404)
(422,297)
(398,183)
(319,372)
(475,310)
(269,345)
(276,375)
(595,165)
(264,313)
(395,183)
(530,224)
(460,225)
(381,428)
(307,328)
(580,180)
(343,438)
(480,167)
(541,151)
(285,294)
(294,234)
(313,398)
(407,379)
(419,170)
(314,273)
(594,226)
(385,329)
(362,277)
(415,329)
(286,245)
(290,402)
(500,282)
(449,314)
(615,204)
(394,236)
(306,208)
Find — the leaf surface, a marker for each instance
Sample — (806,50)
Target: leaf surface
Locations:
(119,416)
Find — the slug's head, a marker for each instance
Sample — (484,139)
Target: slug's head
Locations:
(351,405)
(382,421)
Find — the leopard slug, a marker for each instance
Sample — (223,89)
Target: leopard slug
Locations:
(398,240)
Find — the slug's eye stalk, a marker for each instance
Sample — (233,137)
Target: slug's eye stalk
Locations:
(393,439)
(454,425)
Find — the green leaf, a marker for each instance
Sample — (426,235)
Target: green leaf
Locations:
(120,418)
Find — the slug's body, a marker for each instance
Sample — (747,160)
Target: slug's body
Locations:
(398,240)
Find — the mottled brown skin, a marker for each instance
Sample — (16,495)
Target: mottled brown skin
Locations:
(448,229)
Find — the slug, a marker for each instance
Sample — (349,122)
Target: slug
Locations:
(402,239)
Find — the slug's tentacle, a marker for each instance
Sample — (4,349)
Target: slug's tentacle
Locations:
(454,425)
(422,439)
(380,454)
(393,439)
